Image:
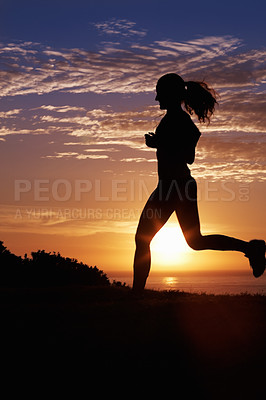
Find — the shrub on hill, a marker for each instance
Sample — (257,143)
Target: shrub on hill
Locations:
(44,269)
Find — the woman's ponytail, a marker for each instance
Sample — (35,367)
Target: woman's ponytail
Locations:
(200,99)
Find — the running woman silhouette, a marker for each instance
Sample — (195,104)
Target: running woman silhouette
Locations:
(175,139)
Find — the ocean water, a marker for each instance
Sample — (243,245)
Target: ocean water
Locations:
(210,282)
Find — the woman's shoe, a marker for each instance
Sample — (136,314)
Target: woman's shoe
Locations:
(256,255)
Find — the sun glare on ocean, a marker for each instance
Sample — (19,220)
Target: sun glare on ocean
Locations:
(169,247)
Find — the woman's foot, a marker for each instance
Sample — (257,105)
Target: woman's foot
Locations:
(256,255)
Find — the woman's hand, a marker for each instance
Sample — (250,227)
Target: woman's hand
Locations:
(151,140)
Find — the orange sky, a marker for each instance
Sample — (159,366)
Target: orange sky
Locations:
(97,223)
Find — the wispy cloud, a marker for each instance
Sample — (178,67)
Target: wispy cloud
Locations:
(237,130)
(138,159)
(60,109)
(64,221)
(133,69)
(77,155)
(238,74)
(245,156)
(210,47)
(10,113)
(5,131)
(119,27)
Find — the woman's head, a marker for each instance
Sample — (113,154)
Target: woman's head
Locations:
(197,97)
(170,90)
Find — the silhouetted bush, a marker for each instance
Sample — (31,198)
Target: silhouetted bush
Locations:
(118,283)
(44,269)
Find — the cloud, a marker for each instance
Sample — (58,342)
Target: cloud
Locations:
(241,110)
(5,131)
(208,47)
(93,126)
(245,156)
(119,27)
(10,113)
(63,155)
(133,69)
(138,160)
(92,156)
(92,150)
(237,128)
(65,221)
(60,109)
(238,111)
(77,155)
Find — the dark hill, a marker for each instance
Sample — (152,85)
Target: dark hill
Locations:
(211,347)
(59,329)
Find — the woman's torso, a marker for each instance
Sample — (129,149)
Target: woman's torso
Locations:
(176,136)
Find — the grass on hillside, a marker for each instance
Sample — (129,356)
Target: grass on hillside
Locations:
(206,344)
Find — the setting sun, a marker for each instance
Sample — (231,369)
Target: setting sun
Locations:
(169,246)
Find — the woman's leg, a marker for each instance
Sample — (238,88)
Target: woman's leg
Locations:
(187,214)
(154,215)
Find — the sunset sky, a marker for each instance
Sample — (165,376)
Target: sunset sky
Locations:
(77,96)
